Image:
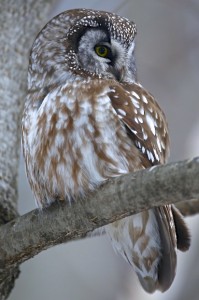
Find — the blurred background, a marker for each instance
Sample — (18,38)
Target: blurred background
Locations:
(168,66)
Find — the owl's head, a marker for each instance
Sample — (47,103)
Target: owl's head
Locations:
(83,43)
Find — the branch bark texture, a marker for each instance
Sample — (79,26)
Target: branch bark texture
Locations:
(29,234)
(19,22)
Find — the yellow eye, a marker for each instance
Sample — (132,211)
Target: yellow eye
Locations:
(102,51)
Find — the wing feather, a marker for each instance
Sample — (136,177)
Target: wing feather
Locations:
(144,120)
(146,126)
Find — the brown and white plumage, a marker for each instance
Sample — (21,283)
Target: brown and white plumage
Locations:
(86,119)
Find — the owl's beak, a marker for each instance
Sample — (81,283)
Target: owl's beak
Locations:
(117,73)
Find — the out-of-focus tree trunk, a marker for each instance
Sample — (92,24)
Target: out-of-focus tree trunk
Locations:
(19,22)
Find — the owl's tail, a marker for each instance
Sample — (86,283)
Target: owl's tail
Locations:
(148,241)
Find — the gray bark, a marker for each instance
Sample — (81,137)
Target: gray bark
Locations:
(17,34)
(29,234)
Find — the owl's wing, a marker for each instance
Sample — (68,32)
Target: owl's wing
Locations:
(147,128)
(144,121)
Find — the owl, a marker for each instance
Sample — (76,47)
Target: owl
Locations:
(87,119)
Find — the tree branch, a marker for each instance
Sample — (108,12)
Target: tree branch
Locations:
(120,197)
(189,208)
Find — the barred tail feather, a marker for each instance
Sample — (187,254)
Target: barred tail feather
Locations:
(148,242)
